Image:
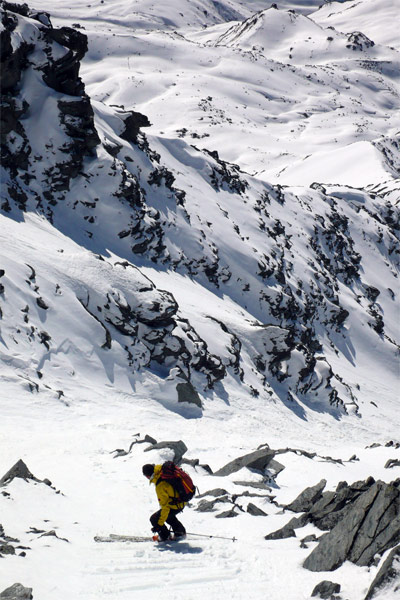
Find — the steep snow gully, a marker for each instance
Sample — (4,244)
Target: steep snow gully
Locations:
(199,263)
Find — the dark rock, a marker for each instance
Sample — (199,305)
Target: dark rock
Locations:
(252,509)
(7,549)
(179,448)
(206,506)
(41,303)
(258,460)
(216,492)
(332,506)
(133,123)
(392,462)
(17,592)
(18,470)
(369,525)
(259,485)
(358,41)
(228,514)
(187,393)
(281,534)
(62,75)
(298,522)
(309,538)
(288,529)
(81,127)
(326,589)
(388,575)
(12,109)
(13,61)
(307,498)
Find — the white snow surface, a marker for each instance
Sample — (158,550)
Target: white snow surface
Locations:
(283,103)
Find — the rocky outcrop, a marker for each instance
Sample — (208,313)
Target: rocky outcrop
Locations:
(306,500)
(364,526)
(214,500)
(63,50)
(388,577)
(361,521)
(62,74)
(133,122)
(18,470)
(358,41)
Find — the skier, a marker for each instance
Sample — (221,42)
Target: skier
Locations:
(170,505)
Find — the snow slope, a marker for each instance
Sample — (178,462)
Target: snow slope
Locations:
(133,263)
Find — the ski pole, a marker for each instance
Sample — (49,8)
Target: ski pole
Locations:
(213,536)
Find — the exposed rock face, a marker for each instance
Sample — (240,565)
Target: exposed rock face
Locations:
(388,576)
(368,525)
(361,520)
(61,74)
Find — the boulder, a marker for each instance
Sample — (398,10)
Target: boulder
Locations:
(288,529)
(17,592)
(281,534)
(187,393)
(252,509)
(258,460)
(227,514)
(326,590)
(6,549)
(179,448)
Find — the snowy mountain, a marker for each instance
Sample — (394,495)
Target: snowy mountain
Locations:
(199,243)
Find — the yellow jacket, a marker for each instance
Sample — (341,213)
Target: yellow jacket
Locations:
(165,494)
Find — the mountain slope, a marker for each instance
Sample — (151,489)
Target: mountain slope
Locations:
(151,290)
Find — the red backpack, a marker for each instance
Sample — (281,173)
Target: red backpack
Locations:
(179,479)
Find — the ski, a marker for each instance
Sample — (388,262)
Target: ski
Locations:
(122,538)
(132,538)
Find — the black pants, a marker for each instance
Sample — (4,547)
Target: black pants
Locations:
(176,525)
